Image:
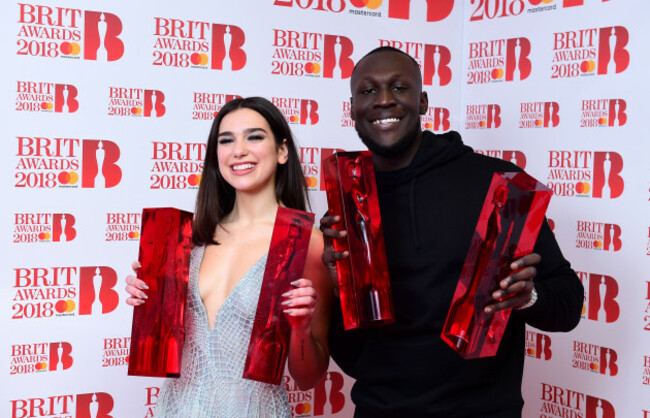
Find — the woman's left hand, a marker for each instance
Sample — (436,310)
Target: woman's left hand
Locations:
(300,303)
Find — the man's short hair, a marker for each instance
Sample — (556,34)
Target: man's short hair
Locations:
(386,49)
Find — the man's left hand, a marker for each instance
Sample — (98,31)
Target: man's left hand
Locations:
(516,289)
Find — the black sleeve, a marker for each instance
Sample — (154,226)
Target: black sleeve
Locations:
(560,293)
(345,346)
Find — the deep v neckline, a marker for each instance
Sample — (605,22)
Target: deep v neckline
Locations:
(227,298)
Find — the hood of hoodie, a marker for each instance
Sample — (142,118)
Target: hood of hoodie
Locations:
(435,150)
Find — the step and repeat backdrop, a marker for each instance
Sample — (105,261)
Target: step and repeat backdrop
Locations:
(107,107)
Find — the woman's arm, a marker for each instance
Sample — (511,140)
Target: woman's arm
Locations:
(308,308)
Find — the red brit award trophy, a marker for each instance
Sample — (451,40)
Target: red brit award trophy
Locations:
(507,229)
(364,285)
(269,342)
(157,333)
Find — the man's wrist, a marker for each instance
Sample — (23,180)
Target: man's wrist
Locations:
(531,300)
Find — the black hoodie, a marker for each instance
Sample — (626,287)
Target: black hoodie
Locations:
(429,211)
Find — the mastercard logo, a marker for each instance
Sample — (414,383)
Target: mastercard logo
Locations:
(482,124)
(70,48)
(598,244)
(370,4)
(312,68)
(538,122)
(136,110)
(40,366)
(584,310)
(199,59)
(530,351)
(65,306)
(303,408)
(294,119)
(311,181)
(194,179)
(428,125)
(68,177)
(134,234)
(602,121)
(587,66)
(582,187)
(593,366)
(47,106)
(497,74)
(44,236)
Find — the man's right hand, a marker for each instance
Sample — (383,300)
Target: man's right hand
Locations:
(331,257)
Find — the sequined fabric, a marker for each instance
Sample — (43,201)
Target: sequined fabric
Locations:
(211,383)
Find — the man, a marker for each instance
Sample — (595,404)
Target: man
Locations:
(431,190)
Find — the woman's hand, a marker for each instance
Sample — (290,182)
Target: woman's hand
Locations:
(135,287)
(300,303)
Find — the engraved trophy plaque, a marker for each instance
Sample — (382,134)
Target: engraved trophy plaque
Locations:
(269,343)
(364,285)
(507,229)
(157,333)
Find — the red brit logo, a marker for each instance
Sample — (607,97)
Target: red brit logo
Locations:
(499,60)
(197,44)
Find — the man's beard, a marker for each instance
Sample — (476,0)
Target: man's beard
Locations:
(394,150)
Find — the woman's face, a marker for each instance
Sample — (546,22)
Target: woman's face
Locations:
(247,153)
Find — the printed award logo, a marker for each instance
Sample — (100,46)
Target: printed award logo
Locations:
(646,370)
(506,8)
(538,345)
(595,359)
(326,399)
(311,54)
(205,106)
(518,158)
(539,115)
(122,226)
(598,236)
(436,119)
(116,351)
(586,52)
(433,59)
(44,292)
(312,159)
(499,60)
(135,102)
(56,162)
(40,357)
(177,165)
(603,113)
(594,174)
(346,118)
(83,405)
(43,227)
(37,96)
(600,297)
(297,111)
(483,116)
(436,10)
(559,402)
(52,32)
(195,44)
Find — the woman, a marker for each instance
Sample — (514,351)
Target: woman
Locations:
(251,168)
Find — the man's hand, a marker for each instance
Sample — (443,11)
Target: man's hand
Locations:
(516,289)
(331,257)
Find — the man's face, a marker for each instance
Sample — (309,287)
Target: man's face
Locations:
(387,101)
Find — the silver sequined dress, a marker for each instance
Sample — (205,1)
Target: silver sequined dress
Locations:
(211,383)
